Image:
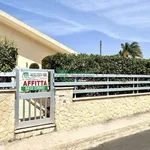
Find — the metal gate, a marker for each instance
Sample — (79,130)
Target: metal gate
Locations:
(34,107)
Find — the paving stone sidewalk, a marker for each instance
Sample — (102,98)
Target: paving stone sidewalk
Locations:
(85,137)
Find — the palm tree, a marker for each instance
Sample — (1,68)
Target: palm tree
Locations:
(131,50)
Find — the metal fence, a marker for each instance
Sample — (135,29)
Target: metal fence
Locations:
(7,80)
(37,108)
(103,84)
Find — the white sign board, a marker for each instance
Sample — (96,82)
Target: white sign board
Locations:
(33,81)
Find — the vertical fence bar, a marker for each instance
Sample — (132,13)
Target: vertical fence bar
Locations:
(45,107)
(133,86)
(17,98)
(29,109)
(23,110)
(13,80)
(108,86)
(52,98)
(40,107)
(75,80)
(137,84)
(35,109)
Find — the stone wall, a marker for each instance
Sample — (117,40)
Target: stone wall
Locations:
(71,114)
(7,120)
(34,131)
(7,115)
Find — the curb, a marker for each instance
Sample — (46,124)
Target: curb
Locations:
(97,140)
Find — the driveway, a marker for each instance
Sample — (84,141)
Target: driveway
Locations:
(140,141)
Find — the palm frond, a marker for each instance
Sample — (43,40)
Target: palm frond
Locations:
(133,50)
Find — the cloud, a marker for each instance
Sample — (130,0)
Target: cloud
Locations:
(119,19)
(56,28)
(94,5)
(136,16)
(63,24)
(59,26)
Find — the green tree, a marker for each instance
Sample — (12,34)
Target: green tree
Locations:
(132,50)
(8,55)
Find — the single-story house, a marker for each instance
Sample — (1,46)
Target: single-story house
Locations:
(33,45)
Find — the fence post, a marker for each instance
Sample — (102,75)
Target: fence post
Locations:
(133,85)
(108,86)
(52,92)
(137,85)
(17,98)
(75,80)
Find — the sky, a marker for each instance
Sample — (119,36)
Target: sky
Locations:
(81,24)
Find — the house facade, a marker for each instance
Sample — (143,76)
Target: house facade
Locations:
(32,45)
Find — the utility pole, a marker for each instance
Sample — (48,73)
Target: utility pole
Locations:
(100,48)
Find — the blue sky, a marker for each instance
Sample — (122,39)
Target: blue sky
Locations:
(81,24)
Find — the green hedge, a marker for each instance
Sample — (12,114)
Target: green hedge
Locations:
(34,66)
(83,63)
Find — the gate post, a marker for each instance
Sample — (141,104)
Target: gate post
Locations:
(17,98)
(52,92)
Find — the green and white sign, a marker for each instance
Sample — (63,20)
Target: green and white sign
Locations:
(33,81)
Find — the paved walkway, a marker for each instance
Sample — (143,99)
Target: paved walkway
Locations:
(84,137)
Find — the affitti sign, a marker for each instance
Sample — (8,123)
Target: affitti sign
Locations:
(33,81)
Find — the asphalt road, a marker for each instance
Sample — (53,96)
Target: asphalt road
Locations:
(140,141)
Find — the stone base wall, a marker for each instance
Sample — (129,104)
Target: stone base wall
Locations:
(7,116)
(71,114)
(7,121)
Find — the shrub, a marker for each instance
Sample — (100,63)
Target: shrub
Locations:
(8,55)
(34,66)
(83,63)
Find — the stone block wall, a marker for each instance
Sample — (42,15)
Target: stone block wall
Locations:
(7,120)
(7,116)
(33,131)
(71,114)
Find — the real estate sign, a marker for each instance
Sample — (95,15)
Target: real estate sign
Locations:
(33,81)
